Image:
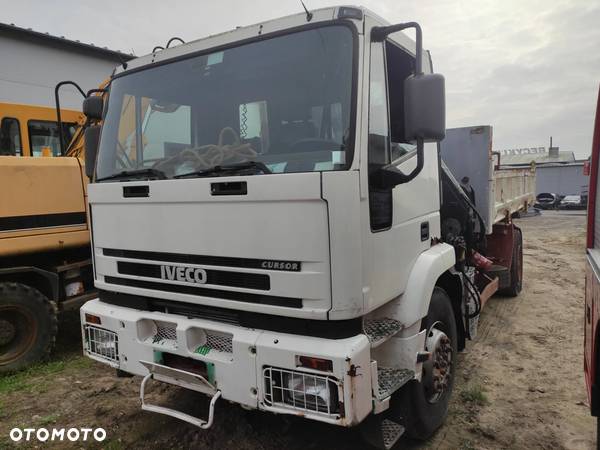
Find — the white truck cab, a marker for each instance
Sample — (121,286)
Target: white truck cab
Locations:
(267,228)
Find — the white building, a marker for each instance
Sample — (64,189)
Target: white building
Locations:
(34,62)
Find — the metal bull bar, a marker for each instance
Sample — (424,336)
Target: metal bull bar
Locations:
(184,379)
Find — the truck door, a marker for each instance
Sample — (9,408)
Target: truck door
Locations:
(402,219)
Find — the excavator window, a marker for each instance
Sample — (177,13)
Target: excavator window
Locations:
(10,137)
(43,133)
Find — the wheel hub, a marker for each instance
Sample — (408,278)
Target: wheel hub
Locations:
(7,332)
(437,371)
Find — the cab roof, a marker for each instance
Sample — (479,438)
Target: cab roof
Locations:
(355,14)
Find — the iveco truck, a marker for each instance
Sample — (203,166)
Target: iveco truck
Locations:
(273,225)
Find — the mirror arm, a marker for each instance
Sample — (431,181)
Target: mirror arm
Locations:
(61,137)
(391,176)
(378,34)
(420,160)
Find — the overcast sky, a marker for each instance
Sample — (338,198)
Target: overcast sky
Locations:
(529,68)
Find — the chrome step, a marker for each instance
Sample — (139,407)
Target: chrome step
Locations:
(390,379)
(382,433)
(380,330)
(391,432)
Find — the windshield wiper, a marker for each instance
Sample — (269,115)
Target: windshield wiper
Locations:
(224,170)
(135,174)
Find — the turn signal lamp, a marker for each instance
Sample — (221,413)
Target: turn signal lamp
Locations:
(310,362)
(90,318)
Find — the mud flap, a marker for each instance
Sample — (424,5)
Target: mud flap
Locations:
(186,380)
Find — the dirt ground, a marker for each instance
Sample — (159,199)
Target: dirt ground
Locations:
(519,384)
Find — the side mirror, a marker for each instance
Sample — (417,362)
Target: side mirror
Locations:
(425,107)
(91,141)
(93,107)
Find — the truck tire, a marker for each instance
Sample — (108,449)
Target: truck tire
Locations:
(516,267)
(420,406)
(28,326)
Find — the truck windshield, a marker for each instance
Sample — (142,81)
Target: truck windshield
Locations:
(284,102)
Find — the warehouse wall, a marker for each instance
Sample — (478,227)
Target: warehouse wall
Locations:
(31,67)
(563,180)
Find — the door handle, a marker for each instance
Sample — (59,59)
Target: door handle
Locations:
(424,231)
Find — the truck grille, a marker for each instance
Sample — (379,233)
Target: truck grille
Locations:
(220,342)
(218,277)
(301,391)
(207,292)
(200,260)
(166,331)
(102,343)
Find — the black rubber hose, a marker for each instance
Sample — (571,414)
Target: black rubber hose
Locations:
(477,297)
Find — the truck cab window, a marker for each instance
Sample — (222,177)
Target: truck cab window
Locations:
(378,110)
(126,142)
(380,201)
(165,129)
(44,133)
(254,125)
(285,102)
(390,66)
(10,137)
(400,65)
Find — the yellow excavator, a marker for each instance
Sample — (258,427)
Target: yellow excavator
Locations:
(45,265)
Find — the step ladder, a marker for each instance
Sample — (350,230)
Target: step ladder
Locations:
(382,433)
(391,432)
(381,329)
(390,379)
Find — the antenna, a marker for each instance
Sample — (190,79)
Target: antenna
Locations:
(309,15)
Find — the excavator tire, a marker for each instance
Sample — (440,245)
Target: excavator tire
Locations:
(28,326)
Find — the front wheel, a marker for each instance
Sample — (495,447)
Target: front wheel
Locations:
(423,406)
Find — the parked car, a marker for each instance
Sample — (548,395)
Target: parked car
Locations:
(547,200)
(571,202)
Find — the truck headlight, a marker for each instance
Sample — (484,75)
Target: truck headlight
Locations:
(300,390)
(307,391)
(102,343)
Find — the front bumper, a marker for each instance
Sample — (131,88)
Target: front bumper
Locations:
(254,368)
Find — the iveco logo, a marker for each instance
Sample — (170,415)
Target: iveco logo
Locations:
(281,265)
(178,273)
